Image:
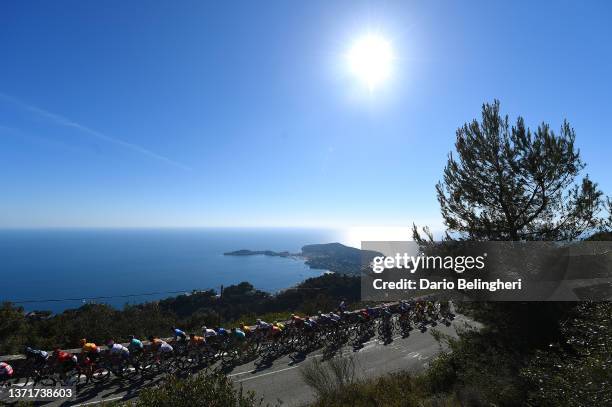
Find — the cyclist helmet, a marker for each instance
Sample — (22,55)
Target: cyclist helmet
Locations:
(83,341)
(130,337)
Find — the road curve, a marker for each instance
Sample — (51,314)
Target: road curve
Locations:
(282,382)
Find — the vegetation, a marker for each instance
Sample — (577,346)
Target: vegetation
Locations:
(329,377)
(506,183)
(241,302)
(482,368)
(509,183)
(395,390)
(334,257)
(211,390)
(577,369)
(337,257)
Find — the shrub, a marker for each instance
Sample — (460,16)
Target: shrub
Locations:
(327,377)
(213,390)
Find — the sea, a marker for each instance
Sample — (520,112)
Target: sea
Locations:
(59,269)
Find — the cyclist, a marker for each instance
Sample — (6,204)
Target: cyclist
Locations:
(196,341)
(334,317)
(386,312)
(6,371)
(342,307)
(445,308)
(221,332)
(208,333)
(323,319)
(245,328)
(310,323)
(39,357)
(274,332)
(430,308)
(297,321)
(117,349)
(404,318)
(279,325)
(263,325)
(238,334)
(135,345)
(179,335)
(64,361)
(419,310)
(89,350)
(158,345)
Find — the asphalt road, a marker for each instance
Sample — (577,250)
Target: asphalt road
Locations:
(282,382)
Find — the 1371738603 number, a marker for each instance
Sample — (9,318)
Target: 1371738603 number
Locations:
(28,393)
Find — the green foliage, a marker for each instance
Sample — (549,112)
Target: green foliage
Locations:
(330,376)
(215,390)
(395,390)
(337,257)
(509,183)
(241,302)
(13,328)
(480,368)
(577,370)
(484,368)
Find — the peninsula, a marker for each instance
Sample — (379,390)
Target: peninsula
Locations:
(334,257)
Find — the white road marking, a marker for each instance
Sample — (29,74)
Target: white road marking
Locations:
(98,401)
(269,373)
(367,345)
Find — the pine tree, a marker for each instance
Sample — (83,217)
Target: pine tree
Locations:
(511,183)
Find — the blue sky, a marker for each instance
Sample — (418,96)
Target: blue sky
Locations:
(138,114)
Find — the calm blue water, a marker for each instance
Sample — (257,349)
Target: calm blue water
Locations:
(45,264)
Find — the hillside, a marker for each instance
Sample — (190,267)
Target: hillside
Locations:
(334,257)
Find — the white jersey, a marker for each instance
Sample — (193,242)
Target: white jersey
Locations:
(263,325)
(165,347)
(209,332)
(118,349)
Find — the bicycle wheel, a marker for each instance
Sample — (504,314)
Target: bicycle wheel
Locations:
(100,374)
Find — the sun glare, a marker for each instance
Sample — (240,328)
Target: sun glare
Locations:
(371,60)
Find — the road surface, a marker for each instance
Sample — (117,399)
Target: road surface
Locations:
(281,382)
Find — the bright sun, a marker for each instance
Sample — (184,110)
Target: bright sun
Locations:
(371,60)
